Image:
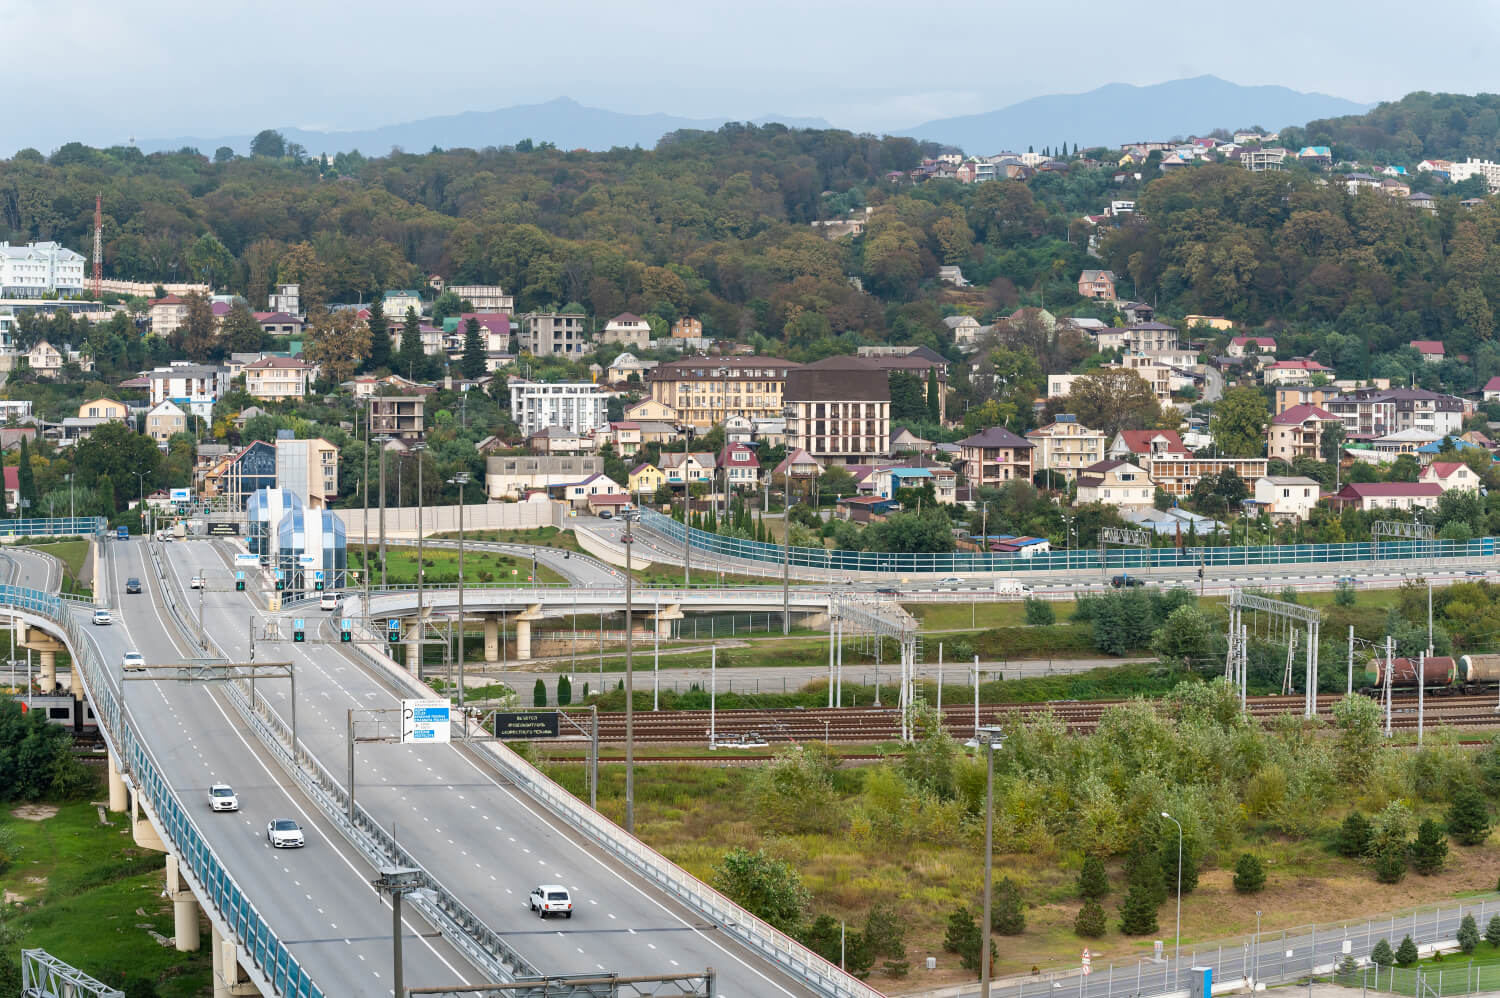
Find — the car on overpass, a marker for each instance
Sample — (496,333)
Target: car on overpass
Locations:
(284,833)
(132,660)
(1126,582)
(221,797)
(552,899)
(196,582)
(101,616)
(132,585)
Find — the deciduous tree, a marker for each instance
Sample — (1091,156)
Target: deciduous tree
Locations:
(337,342)
(1114,400)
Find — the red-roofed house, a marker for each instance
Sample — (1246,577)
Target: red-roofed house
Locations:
(1131,444)
(167,314)
(13,488)
(1298,432)
(277,378)
(1431,350)
(1492,389)
(1243,345)
(1450,475)
(1386,495)
(1299,371)
(741,468)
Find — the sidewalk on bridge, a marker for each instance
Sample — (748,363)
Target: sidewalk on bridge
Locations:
(1287,990)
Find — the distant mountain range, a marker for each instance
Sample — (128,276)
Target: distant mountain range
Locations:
(1109,116)
(1119,113)
(564,122)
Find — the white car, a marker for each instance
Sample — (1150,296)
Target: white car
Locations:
(283,833)
(132,660)
(196,582)
(951,580)
(552,899)
(221,797)
(101,616)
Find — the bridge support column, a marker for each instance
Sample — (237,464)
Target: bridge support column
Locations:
(184,908)
(216,945)
(229,980)
(491,638)
(47,646)
(48,677)
(523,631)
(664,618)
(118,798)
(140,827)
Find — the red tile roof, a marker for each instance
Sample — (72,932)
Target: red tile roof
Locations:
(1302,413)
(1370,490)
(1139,441)
(1442,469)
(1427,346)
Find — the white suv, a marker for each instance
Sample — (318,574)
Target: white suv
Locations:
(196,582)
(552,899)
(221,797)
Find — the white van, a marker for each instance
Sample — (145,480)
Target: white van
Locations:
(328,600)
(1012,588)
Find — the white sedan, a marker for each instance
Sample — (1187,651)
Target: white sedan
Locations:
(284,833)
(101,616)
(132,660)
(221,797)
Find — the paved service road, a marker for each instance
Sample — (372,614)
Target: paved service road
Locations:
(317,899)
(486,842)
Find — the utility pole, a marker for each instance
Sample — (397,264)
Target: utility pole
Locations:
(417,448)
(365,488)
(460,479)
(382,440)
(630,516)
(786,569)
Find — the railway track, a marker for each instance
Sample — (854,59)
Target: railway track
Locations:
(866,725)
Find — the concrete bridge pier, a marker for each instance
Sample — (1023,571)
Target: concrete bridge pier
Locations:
(664,618)
(184,909)
(523,631)
(491,638)
(47,646)
(140,827)
(118,795)
(229,980)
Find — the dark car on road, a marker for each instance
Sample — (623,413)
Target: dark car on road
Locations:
(132,585)
(1126,582)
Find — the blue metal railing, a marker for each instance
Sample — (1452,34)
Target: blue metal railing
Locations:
(54,526)
(195,855)
(1057,561)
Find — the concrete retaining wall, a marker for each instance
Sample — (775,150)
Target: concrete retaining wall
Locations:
(402,522)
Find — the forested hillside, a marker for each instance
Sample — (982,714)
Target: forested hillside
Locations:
(1418,126)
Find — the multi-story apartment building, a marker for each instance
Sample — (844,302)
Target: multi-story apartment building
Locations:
(703,391)
(197,386)
(1459,172)
(484,297)
(543,334)
(277,378)
(168,314)
(579,406)
(629,330)
(1066,446)
(39,270)
(397,303)
(310,468)
(1116,483)
(995,456)
(1298,432)
(1178,473)
(839,410)
(687,328)
(1381,412)
(1288,396)
(398,416)
(511,477)
(1137,337)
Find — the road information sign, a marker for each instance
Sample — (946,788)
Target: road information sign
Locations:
(424,721)
(531,724)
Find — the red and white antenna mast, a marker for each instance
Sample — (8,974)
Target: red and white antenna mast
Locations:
(98,245)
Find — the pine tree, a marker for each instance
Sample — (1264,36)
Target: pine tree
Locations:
(1406,953)
(1143,867)
(1138,910)
(1468,934)
(1430,851)
(1007,914)
(1090,922)
(1469,817)
(1389,866)
(1492,931)
(26,484)
(1383,956)
(964,938)
(411,359)
(380,337)
(473,362)
(1353,839)
(1249,874)
(1093,882)
(539,694)
(1167,855)
(585,692)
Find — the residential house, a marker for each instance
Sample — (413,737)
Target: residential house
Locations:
(167,314)
(798,464)
(164,419)
(1132,445)
(1370,496)
(624,435)
(629,330)
(646,480)
(278,378)
(104,409)
(687,328)
(490,445)
(1431,350)
(12,475)
(1288,396)
(11,437)
(1066,446)
(396,304)
(1097,284)
(1450,475)
(651,409)
(995,456)
(1286,497)
(1492,389)
(398,416)
(702,391)
(627,366)
(1243,346)
(687,467)
(280,324)
(45,359)
(195,387)
(513,477)
(966,330)
(489,298)
(1116,483)
(1263,159)
(1215,322)
(1315,156)
(904,441)
(1424,201)
(581,494)
(1179,473)
(558,440)
(1298,432)
(1299,371)
(1138,337)
(740,467)
(839,409)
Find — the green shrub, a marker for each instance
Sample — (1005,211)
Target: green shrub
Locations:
(885,932)
(1430,850)
(1468,817)
(1093,882)
(1039,612)
(1389,867)
(564,691)
(1343,594)
(1090,923)
(964,938)
(1138,910)
(1406,953)
(1249,874)
(539,694)
(1468,934)
(1353,839)
(1492,931)
(1007,914)
(1383,956)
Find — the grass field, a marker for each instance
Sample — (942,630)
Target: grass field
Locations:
(442,566)
(547,537)
(72,554)
(85,893)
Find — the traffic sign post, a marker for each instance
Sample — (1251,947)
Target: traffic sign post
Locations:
(345,635)
(393,631)
(318,580)
(297,631)
(239,582)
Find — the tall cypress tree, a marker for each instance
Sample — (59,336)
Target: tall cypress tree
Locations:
(411,360)
(472,364)
(380,339)
(932,395)
(24,478)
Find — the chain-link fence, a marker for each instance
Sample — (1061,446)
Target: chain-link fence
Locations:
(1459,975)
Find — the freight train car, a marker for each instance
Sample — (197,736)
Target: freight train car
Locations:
(1441,674)
(1480,671)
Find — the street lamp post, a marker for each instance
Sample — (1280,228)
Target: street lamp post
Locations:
(687,510)
(417,448)
(397,880)
(630,516)
(1255,971)
(1177,952)
(460,478)
(786,567)
(990,739)
(383,441)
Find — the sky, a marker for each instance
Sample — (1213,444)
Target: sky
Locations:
(106,72)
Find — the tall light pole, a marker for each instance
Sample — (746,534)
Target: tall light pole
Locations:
(460,478)
(384,440)
(786,567)
(417,448)
(630,516)
(1177,955)
(365,489)
(397,880)
(687,509)
(990,739)
(1255,978)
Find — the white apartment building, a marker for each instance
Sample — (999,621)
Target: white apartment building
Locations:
(484,297)
(1066,446)
(575,405)
(1287,497)
(195,387)
(1458,172)
(39,270)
